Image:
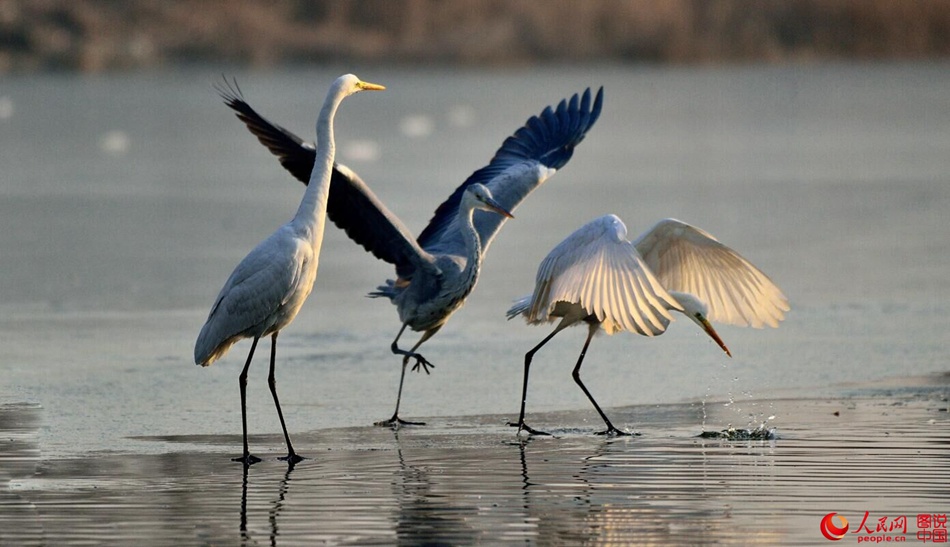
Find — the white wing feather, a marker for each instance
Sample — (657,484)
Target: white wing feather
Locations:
(599,270)
(687,259)
(257,290)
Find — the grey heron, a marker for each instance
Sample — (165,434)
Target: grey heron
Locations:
(599,277)
(437,271)
(267,288)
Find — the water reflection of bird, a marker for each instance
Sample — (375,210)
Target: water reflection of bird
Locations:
(599,277)
(273,514)
(437,271)
(268,287)
(424,514)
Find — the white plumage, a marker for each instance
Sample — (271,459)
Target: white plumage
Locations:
(598,276)
(267,288)
(599,270)
(688,260)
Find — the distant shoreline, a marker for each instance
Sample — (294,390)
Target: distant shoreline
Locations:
(98,35)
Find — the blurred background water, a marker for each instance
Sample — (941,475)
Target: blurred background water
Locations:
(811,136)
(126,200)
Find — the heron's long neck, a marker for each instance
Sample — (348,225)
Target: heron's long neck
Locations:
(473,245)
(312,213)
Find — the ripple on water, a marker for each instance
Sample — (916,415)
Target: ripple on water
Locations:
(469,481)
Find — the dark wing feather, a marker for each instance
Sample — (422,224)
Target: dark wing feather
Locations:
(294,154)
(352,206)
(548,139)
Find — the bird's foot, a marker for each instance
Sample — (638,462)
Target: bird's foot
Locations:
(525,427)
(395,422)
(612,431)
(247,459)
(293,458)
(422,363)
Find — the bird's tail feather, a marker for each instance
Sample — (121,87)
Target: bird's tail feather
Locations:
(388,290)
(519,307)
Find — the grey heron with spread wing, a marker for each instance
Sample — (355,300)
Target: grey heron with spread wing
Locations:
(598,277)
(437,271)
(268,287)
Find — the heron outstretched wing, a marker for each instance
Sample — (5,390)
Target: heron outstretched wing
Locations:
(352,206)
(525,160)
(597,268)
(687,259)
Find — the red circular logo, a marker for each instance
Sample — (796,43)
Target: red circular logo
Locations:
(832,531)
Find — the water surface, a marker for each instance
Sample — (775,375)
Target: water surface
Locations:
(126,200)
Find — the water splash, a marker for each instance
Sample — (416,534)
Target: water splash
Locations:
(761,432)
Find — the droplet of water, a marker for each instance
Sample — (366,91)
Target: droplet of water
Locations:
(360,150)
(703,403)
(461,116)
(6,108)
(416,126)
(115,142)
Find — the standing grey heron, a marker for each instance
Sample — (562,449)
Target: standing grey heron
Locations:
(267,288)
(436,272)
(599,277)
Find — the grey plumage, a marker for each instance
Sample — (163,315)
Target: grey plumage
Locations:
(436,272)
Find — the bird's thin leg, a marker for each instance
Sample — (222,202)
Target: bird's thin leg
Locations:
(395,420)
(247,458)
(292,456)
(611,430)
(420,360)
(524,388)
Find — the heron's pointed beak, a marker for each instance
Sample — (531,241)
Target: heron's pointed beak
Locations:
(366,86)
(707,326)
(496,207)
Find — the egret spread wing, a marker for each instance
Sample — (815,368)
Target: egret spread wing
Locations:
(687,259)
(352,206)
(598,269)
(545,143)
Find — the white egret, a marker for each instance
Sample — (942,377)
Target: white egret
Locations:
(599,277)
(436,272)
(268,287)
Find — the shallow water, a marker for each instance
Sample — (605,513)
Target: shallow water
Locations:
(468,480)
(126,200)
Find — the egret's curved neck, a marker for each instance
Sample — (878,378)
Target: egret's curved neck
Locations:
(311,215)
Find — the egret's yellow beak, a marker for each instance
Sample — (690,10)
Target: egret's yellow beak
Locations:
(366,86)
(707,326)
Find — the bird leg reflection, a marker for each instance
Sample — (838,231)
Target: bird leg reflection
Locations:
(244,535)
(247,458)
(611,430)
(292,456)
(279,505)
(421,361)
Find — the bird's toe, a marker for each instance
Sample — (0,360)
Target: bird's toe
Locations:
(292,458)
(247,459)
(527,428)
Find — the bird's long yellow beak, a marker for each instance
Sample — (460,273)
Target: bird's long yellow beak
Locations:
(707,326)
(366,86)
(496,207)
